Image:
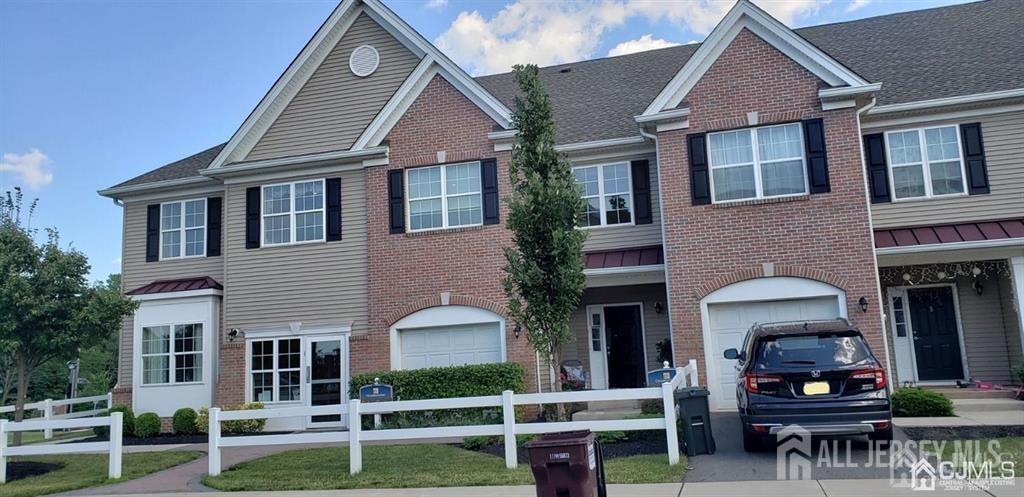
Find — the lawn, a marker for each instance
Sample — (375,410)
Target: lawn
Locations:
(31,437)
(412,466)
(89,470)
(1009,449)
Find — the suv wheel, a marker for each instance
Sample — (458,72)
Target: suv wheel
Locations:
(752,442)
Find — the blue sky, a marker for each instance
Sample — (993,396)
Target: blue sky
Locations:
(96,92)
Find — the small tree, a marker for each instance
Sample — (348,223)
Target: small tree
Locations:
(47,309)
(544,267)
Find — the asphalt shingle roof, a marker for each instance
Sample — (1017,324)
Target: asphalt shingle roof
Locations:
(919,55)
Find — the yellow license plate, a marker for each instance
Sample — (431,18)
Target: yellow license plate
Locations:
(816,388)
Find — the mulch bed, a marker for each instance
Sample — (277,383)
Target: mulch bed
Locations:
(17,470)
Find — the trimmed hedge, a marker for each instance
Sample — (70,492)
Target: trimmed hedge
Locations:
(919,402)
(184,421)
(147,425)
(244,425)
(128,426)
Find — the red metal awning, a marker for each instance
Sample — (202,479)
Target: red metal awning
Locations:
(950,233)
(643,256)
(179,285)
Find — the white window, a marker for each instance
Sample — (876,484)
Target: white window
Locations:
(925,162)
(293,212)
(607,193)
(757,163)
(183,229)
(275,367)
(169,358)
(444,196)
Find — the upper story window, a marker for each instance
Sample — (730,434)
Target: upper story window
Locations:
(444,196)
(183,229)
(757,163)
(607,192)
(293,212)
(169,358)
(925,162)
(275,367)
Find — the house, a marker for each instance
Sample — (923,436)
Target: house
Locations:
(871,169)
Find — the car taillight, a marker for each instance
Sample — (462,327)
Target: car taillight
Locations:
(875,374)
(762,383)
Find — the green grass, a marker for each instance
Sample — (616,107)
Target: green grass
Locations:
(89,470)
(1009,449)
(412,466)
(31,437)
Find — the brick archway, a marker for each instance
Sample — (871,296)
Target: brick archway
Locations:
(436,300)
(760,272)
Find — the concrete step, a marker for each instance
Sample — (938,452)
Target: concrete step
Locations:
(992,404)
(974,393)
(605,414)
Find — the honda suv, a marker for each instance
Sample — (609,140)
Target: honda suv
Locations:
(819,375)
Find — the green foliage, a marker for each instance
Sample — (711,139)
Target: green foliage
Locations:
(664,349)
(147,425)
(245,425)
(918,402)
(127,426)
(184,421)
(1019,373)
(652,406)
(544,266)
(203,420)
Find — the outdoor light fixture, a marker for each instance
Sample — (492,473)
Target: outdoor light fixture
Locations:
(233,334)
(863,302)
(978,287)
(517,330)
(658,307)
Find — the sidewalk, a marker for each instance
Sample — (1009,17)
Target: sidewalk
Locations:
(973,412)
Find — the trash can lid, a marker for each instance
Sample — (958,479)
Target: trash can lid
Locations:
(690,392)
(562,438)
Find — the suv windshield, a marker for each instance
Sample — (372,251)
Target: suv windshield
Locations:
(810,350)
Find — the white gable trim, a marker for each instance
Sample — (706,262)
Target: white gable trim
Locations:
(746,15)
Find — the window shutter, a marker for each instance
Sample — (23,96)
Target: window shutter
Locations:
(974,158)
(252,217)
(396,201)
(641,172)
(817,160)
(489,184)
(333,187)
(213,225)
(878,174)
(152,233)
(700,181)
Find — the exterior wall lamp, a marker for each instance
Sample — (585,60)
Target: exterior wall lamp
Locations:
(863,302)
(517,330)
(658,307)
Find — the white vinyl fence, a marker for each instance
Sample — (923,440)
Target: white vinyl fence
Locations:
(46,407)
(355,436)
(112,446)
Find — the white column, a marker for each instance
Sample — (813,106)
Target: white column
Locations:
(48,415)
(116,430)
(1017,282)
(508,412)
(3,451)
(355,448)
(213,445)
(671,433)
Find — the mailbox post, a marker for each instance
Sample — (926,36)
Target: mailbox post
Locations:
(656,377)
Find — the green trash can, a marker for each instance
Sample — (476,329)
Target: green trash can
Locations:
(695,420)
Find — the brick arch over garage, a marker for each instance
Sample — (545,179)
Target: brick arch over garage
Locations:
(762,272)
(437,300)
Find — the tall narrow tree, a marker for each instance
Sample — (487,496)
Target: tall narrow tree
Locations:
(544,266)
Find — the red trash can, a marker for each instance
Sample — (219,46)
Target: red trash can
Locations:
(566,465)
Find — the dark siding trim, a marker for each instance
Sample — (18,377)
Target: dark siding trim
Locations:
(153,233)
(396,201)
(333,187)
(817,159)
(700,180)
(974,159)
(214,214)
(252,217)
(877,169)
(641,175)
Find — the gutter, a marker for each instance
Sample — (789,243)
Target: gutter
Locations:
(240,168)
(943,247)
(118,191)
(943,102)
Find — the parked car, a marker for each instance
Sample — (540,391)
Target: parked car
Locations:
(820,375)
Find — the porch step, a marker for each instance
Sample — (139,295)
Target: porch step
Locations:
(987,405)
(606,414)
(973,393)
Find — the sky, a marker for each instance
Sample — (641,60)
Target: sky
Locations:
(93,93)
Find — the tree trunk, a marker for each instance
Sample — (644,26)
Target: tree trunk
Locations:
(555,377)
(19,402)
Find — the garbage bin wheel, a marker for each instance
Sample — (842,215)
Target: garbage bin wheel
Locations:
(752,442)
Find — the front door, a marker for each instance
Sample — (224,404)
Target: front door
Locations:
(935,332)
(325,377)
(625,346)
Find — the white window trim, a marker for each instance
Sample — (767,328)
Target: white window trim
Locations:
(292,213)
(925,165)
(181,229)
(276,380)
(601,194)
(758,185)
(444,198)
(172,355)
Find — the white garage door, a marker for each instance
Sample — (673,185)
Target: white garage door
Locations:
(729,324)
(451,346)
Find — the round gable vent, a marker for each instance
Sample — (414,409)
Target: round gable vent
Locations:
(364,60)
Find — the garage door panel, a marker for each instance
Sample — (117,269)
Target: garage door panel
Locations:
(450,345)
(439,340)
(414,341)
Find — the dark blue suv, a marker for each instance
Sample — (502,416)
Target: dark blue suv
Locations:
(820,375)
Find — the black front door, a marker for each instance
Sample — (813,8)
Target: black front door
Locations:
(625,346)
(936,338)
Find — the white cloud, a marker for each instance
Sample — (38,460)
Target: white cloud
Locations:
(642,44)
(31,167)
(436,4)
(857,5)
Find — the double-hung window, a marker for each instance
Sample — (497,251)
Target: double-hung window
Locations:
(275,368)
(183,229)
(293,212)
(444,196)
(172,354)
(757,163)
(607,194)
(925,162)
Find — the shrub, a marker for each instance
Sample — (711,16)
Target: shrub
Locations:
(652,406)
(203,420)
(184,421)
(147,425)
(1019,373)
(128,422)
(913,402)
(244,425)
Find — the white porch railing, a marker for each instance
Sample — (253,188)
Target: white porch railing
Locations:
(46,406)
(112,446)
(509,428)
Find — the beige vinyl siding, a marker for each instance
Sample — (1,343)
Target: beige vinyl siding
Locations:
(619,237)
(1011,324)
(334,106)
(1004,156)
(981,318)
(316,283)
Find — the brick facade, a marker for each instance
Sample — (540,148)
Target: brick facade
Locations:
(825,237)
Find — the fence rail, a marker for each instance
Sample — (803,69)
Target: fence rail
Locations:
(112,446)
(46,407)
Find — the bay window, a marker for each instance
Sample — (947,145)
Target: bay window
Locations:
(925,162)
(183,229)
(275,369)
(293,212)
(444,196)
(172,354)
(757,163)
(607,194)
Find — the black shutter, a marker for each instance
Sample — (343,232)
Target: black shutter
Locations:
(396,201)
(489,184)
(878,174)
(641,172)
(252,217)
(333,187)
(700,182)
(817,161)
(213,225)
(974,158)
(152,233)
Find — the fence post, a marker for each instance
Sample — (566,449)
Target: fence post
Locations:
(213,445)
(694,381)
(3,451)
(355,449)
(110,400)
(671,433)
(116,429)
(508,412)
(48,415)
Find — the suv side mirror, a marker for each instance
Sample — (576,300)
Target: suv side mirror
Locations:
(733,354)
